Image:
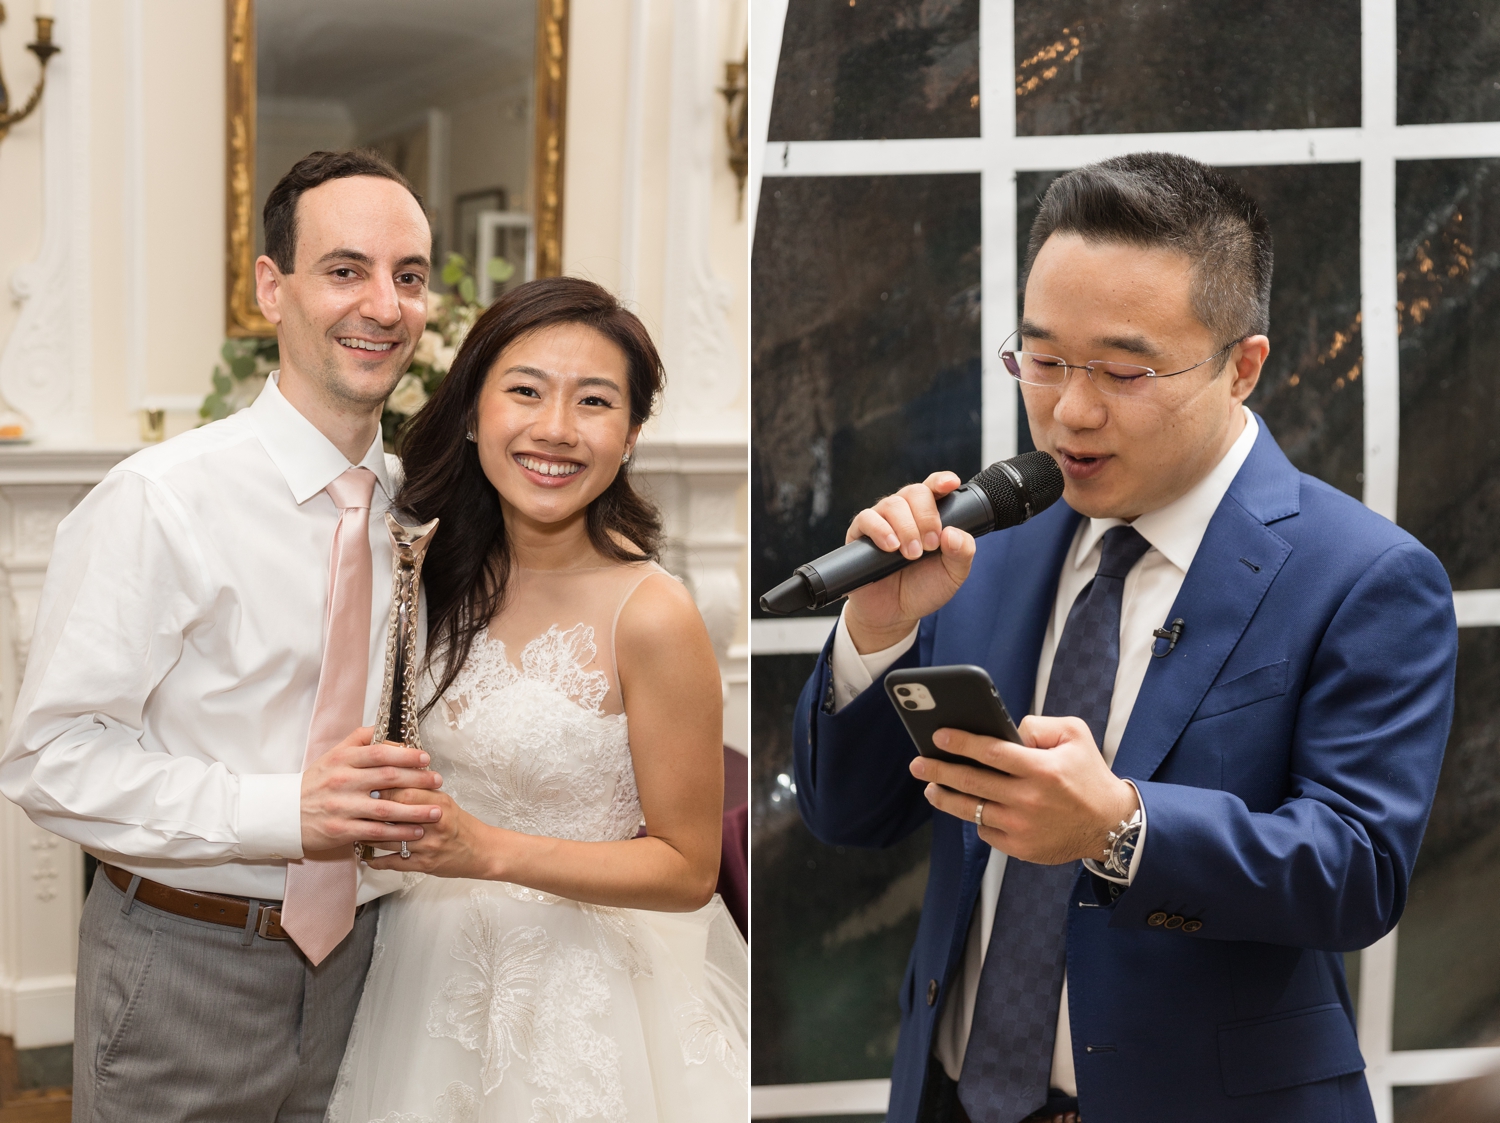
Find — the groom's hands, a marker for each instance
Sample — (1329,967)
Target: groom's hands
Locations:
(336,806)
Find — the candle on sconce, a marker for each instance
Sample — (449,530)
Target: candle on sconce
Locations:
(43,9)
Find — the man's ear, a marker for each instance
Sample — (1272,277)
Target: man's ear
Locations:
(268,281)
(1249,356)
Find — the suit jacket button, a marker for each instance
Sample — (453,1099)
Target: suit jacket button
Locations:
(1191,925)
(1173,921)
(932,989)
(1156,919)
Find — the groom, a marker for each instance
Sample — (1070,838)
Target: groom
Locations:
(210,641)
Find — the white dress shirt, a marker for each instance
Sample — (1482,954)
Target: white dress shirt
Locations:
(169,691)
(1151,587)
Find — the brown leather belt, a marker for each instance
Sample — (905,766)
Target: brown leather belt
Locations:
(232,912)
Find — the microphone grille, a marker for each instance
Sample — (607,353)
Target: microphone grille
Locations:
(1041,485)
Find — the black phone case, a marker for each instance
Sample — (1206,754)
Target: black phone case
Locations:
(966,699)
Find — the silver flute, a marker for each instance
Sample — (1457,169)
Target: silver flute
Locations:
(396,720)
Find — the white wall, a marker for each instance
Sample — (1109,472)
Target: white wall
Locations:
(651,212)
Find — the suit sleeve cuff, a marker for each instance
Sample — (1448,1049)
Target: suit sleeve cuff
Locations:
(270,817)
(1135,857)
(854,673)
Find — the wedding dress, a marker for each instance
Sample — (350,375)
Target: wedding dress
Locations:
(487,1001)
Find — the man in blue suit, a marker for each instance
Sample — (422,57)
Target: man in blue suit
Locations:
(1240,682)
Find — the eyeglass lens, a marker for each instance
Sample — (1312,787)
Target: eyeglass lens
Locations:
(1049,370)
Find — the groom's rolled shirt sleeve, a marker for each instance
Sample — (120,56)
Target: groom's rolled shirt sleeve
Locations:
(126,584)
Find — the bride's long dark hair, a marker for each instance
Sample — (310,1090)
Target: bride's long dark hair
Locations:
(468,564)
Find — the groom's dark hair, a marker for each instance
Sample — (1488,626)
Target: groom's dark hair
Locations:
(314,170)
(467,569)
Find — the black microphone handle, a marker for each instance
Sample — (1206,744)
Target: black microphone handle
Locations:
(825,579)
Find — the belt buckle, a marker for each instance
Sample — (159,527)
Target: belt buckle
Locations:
(263,924)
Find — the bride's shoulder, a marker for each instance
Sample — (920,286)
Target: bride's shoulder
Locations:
(657,612)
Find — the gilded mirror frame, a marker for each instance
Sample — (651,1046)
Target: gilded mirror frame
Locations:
(242,314)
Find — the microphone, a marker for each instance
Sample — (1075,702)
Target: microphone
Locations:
(1005,494)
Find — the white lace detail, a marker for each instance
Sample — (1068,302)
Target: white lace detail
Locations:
(618,940)
(526,893)
(555,658)
(530,996)
(492,1009)
(458,1104)
(702,1038)
(538,754)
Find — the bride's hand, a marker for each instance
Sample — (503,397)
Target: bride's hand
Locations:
(450,847)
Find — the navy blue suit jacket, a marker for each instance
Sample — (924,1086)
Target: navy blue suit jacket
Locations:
(1287,753)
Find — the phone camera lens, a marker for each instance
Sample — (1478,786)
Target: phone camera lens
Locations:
(909,704)
(903,690)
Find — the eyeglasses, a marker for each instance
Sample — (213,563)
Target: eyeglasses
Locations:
(1121,379)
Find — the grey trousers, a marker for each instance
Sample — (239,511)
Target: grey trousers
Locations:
(181,1021)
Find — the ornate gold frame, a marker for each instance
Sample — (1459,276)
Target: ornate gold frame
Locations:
(242,315)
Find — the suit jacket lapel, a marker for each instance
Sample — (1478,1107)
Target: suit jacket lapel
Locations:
(1236,562)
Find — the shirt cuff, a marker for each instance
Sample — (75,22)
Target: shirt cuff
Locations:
(1135,857)
(854,673)
(270,819)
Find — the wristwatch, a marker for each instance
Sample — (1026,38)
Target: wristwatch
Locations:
(1120,851)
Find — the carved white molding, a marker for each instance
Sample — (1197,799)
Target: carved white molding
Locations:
(41,875)
(45,367)
(697,486)
(707,397)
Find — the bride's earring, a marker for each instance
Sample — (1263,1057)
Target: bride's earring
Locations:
(625,459)
(469,436)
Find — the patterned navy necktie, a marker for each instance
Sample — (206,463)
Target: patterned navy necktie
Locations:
(1008,1062)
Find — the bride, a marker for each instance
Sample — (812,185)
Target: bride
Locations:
(566,958)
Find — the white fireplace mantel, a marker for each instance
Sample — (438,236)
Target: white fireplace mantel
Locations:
(41,875)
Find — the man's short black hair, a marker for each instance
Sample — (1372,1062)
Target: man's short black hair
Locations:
(1158,199)
(312,170)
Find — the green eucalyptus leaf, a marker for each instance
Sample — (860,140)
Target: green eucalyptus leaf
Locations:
(242,366)
(222,385)
(454,268)
(466,289)
(500,270)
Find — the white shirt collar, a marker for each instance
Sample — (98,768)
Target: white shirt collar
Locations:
(1177,529)
(307,460)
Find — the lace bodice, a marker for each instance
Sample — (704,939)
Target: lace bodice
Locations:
(532,735)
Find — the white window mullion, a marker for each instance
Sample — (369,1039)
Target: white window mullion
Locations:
(1382,410)
(997,210)
(1377,1001)
(767,21)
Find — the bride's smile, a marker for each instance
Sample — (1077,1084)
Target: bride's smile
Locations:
(552,424)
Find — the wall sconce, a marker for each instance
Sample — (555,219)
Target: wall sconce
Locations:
(44,50)
(737,122)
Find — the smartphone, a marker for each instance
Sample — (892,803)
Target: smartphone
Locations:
(956,697)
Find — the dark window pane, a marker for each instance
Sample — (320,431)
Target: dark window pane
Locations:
(1447,61)
(1447,973)
(1100,66)
(865,292)
(833,925)
(1448,257)
(879,69)
(1310,393)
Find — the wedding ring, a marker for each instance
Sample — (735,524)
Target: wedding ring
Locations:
(405,853)
(979,814)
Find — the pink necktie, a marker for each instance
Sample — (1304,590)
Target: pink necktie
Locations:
(318,911)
